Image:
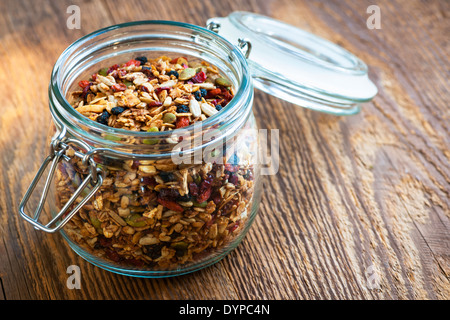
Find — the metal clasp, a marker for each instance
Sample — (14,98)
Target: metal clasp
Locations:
(58,148)
(243,43)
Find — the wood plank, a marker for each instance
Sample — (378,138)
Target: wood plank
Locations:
(355,197)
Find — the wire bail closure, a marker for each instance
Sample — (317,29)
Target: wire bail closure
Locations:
(242,42)
(58,147)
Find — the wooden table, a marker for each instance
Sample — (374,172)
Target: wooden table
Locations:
(359,208)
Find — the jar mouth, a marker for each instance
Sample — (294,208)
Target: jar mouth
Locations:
(116,42)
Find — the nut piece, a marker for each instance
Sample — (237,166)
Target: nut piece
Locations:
(148,240)
(194,107)
(208,110)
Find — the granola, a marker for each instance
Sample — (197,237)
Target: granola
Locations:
(147,95)
(155,214)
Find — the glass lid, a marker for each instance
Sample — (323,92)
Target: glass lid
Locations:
(297,66)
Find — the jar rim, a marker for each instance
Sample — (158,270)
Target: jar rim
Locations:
(234,109)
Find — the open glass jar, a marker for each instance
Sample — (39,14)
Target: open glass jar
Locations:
(182,202)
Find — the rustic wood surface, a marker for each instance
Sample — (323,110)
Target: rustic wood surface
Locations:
(356,198)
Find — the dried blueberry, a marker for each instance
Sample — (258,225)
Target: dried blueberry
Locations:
(117,110)
(198,95)
(167,176)
(103,118)
(172,73)
(203,92)
(142,59)
(183,109)
(187,197)
(218,107)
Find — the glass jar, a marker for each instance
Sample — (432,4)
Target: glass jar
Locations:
(185,200)
(165,208)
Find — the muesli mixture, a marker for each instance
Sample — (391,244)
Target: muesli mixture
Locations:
(157,214)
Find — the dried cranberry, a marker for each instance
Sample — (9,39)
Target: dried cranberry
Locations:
(168,194)
(149,181)
(213,93)
(231,168)
(193,189)
(118,87)
(144,89)
(200,77)
(84,83)
(112,68)
(104,242)
(233,226)
(112,255)
(216,197)
(233,179)
(86,91)
(155,104)
(205,189)
(135,164)
(204,195)
(158,90)
(147,71)
(137,63)
(135,262)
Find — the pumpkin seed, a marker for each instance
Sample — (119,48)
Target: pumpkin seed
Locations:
(136,220)
(94,221)
(223,82)
(187,73)
(103,72)
(169,118)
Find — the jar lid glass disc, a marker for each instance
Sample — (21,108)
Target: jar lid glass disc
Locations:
(298,66)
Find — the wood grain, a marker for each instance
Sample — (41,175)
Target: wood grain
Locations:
(354,196)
